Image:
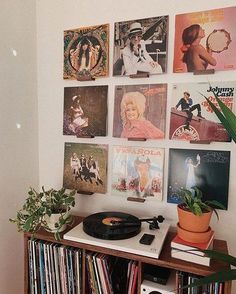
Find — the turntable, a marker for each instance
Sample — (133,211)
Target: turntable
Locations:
(120,231)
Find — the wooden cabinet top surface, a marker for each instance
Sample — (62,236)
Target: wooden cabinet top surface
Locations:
(164,260)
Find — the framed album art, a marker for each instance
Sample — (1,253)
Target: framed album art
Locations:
(140,46)
(140,111)
(138,172)
(85,111)
(192,118)
(86,52)
(205,40)
(206,169)
(85,167)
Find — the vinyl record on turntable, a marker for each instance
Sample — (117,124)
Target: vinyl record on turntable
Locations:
(111,225)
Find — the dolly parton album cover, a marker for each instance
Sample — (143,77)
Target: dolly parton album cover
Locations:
(85,167)
(138,172)
(205,40)
(206,169)
(140,111)
(86,52)
(140,46)
(85,111)
(192,118)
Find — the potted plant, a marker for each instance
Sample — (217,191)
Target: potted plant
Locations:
(228,120)
(195,215)
(46,209)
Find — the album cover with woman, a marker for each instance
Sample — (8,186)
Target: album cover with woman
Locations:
(206,169)
(138,172)
(140,46)
(140,111)
(192,118)
(85,167)
(205,40)
(85,111)
(86,52)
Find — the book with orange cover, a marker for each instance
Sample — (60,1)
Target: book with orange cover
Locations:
(178,243)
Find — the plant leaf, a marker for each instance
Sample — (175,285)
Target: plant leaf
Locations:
(229,120)
(221,256)
(28,224)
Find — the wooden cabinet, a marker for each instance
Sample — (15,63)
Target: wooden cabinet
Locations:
(165,259)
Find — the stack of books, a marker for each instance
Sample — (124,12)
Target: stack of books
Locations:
(189,251)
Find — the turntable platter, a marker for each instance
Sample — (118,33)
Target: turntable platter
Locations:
(105,225)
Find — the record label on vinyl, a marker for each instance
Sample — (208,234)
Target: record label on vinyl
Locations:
(111,225)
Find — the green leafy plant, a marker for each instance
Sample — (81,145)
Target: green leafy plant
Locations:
(196,205)
(38,206)
(225,115)
(228,120)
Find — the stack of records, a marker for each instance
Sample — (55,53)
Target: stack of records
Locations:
(191,252)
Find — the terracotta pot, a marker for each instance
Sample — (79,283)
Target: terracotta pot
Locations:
(51,220)
(193,223)
(194,237)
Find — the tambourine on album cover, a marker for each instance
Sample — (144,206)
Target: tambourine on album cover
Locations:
(140,111)
(140,46)
(205,40)
(138,172)
(85,111)
(206,169)
(192,118)
(86,52)
(85,167)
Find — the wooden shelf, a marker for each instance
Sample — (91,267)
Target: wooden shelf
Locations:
(165,259)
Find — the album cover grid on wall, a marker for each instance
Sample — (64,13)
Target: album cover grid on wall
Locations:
(140,46)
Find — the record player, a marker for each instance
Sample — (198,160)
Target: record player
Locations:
(121,231)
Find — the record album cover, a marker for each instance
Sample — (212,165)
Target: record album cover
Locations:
(140,46)
(85,167)
(85,111)
(206,169)
(140,111)
(138,172)
(86,52)
(205,40)
(192,118)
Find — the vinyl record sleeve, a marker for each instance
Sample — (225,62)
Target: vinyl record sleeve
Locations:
(153,37)
(207,127)
(206,169)
(86,52)
(85,111)
(216,31)
(85,167)
(140,111)
(138,172)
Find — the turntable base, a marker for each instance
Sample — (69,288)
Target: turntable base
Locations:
(130,245)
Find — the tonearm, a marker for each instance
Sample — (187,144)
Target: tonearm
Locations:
(153,222)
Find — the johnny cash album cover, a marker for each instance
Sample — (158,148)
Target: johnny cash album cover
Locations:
(140,111)
(86,52)
(206,169)
(192,118)
(85,167)
(140,46)
(85,111)
(205,40)
(138,172)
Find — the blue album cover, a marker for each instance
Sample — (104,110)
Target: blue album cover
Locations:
(206,169)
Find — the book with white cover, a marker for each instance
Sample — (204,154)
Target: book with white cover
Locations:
(130,245)
(190,257)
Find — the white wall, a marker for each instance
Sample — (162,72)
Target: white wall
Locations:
(18,147)
(53,17)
